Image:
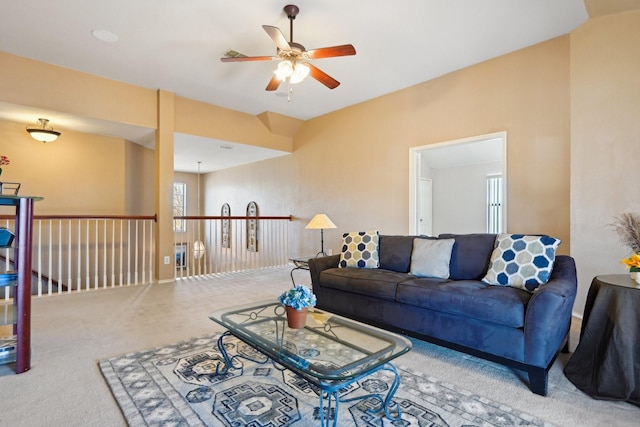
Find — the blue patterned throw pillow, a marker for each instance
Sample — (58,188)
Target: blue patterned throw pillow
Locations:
(360,249)
(522,261)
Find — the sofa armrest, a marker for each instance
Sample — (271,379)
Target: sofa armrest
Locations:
(548,316)
(317,265)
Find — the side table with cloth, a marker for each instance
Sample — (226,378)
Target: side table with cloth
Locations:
(606,363)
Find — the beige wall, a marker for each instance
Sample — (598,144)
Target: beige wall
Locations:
(80,173)
(37,84)
(605,130)
(198,118)
(191,179)
(139,180)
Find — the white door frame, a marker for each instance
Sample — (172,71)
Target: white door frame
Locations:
(414,174)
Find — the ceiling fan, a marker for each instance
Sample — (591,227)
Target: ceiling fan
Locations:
(294,59)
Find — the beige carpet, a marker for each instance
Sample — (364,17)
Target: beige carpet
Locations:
(71,333)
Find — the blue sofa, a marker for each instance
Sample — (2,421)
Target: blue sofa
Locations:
(523,330)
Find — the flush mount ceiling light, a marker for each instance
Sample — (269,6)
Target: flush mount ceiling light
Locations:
(43,132)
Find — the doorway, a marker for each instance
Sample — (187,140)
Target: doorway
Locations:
(448,185)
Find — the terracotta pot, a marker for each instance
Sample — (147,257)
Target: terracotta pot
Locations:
(296,319)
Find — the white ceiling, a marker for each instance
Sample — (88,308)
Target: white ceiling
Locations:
(463,153)
(176,46)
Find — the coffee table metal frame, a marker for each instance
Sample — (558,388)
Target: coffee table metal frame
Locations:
(264,327)
(301,263)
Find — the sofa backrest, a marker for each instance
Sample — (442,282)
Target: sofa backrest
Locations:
(470,255)
(395,252)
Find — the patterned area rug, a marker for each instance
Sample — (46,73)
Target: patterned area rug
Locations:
(176,385)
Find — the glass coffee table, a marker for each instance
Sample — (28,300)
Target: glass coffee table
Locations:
(330,352)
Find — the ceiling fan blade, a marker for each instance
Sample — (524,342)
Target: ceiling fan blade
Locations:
(249,58)
(274,83)
(329,52)
(277,37)
(322,77)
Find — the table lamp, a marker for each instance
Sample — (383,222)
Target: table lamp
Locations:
(320,221)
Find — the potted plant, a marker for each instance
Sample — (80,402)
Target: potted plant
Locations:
(297,300)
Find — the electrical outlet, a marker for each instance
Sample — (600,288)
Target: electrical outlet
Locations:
(329,251)
(167,260)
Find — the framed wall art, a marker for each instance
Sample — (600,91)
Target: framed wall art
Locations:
(225,234)
(252,227)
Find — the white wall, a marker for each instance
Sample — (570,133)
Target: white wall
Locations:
(460,198)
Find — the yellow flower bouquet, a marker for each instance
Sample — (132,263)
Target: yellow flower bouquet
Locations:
(633,262)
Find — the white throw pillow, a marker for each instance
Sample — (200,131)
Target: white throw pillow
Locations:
(430,258)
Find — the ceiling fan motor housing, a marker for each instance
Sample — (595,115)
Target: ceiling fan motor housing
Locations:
(291,10)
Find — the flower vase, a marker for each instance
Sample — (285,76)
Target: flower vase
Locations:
(635,274)
(296,319)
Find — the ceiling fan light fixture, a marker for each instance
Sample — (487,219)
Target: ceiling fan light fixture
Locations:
(284,70)
(294,72)
(300,72)
(43,132)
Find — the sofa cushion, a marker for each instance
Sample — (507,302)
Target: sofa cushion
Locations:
(430,258)
(375,283)
(360,249)
(522,261)
(470,298)
(395,252)
(470,255)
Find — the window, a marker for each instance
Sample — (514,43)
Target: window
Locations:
(494,204)
(179,206)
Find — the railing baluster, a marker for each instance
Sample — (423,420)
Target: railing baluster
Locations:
(120,266)
(113,253)
(69,266)
(104,254)
(135,275)
(96,255)
(39,259)
(79,268)
(128,253)
(88,258)
(59,256)
(144,232)
(50,264)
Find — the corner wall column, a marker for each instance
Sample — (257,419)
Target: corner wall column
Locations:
(164,186)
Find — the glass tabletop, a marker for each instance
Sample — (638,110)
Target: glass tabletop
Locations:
(329,347)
